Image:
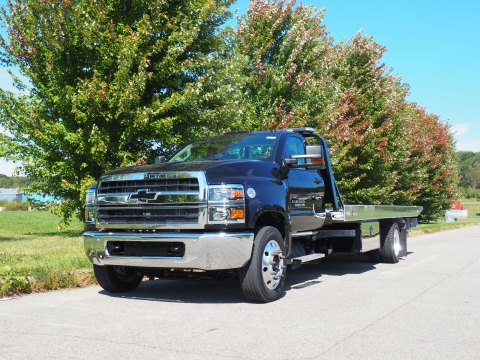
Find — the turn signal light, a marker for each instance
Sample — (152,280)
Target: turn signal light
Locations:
(236,193)
(237,213)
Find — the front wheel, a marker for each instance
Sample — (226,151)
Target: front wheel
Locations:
(117,278)
(263,278)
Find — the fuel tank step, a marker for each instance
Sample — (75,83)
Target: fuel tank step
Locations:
(298,261)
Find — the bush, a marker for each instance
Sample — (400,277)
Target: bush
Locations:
(15,205)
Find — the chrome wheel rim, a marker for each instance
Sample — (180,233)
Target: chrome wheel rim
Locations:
(272,265)
(396,243)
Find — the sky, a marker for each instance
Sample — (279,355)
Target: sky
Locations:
(433,45)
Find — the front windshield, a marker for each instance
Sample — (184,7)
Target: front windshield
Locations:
(258,146)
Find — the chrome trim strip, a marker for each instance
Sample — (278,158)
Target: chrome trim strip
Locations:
(204,251)
(375,212)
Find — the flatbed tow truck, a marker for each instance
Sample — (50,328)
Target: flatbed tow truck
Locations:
(245,205)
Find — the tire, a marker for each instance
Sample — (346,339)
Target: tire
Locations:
(374,256)
(263,278)
(391,246)
(117,279)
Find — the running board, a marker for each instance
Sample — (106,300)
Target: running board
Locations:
(298,261)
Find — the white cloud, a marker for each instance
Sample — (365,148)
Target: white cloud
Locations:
(460,129)
(467,136)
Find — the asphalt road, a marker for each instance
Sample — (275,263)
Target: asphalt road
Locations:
(425,307)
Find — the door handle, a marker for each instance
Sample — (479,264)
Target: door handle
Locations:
(317,181)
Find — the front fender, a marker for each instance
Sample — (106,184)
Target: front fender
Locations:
(263,196)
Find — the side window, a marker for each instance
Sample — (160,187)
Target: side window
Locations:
(294,146)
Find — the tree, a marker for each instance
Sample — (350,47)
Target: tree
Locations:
(284,50)
(110,81)
(13,181)
(363,127)
(431,165)
(297,77)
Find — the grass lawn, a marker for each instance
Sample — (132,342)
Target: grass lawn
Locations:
(36,256)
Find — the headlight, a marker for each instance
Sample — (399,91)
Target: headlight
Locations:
(225,194)
(90,198)
(226,203)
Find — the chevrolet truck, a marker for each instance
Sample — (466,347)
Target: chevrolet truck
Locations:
(243,205)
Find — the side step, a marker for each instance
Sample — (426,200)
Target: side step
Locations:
(298,261)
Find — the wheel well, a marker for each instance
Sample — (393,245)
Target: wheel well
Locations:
(272,219)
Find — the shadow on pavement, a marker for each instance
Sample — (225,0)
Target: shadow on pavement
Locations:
(229,291)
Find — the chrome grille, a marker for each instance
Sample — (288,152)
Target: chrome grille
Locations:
(151,200)
(153,185)
(148,216)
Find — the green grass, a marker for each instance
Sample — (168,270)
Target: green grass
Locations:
(35,255)
(473,207)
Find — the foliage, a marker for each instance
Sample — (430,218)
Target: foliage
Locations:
(109,81)
(363,127)
(469,168)
(10,282)
(432,161)
(297,77)
(285,48)
(14,205)
(11,182)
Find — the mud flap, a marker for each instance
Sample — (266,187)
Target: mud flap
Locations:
(403,242)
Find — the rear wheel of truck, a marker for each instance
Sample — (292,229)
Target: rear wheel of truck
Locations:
(391,246)
(117,278)
(263,278)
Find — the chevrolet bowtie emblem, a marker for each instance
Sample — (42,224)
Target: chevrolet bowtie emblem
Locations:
(143,195)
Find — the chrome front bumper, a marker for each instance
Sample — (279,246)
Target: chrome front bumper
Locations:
(205,251)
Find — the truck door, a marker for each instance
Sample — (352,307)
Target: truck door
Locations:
(305,189)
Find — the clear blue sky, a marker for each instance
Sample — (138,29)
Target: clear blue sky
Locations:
(433,45)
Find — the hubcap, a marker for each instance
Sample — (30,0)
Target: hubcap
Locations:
(396,243)
(272,264)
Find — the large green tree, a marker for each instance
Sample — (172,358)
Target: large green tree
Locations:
(297,77)
(108,82)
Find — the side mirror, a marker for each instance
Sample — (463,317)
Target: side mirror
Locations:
(159,159)
(314,159)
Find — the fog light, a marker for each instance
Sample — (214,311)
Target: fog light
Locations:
(219,214)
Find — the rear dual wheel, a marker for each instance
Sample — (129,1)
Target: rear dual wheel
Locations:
(392,247)
(390,238)
(263,278)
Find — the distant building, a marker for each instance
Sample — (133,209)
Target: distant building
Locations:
(12,194)
(9,194)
